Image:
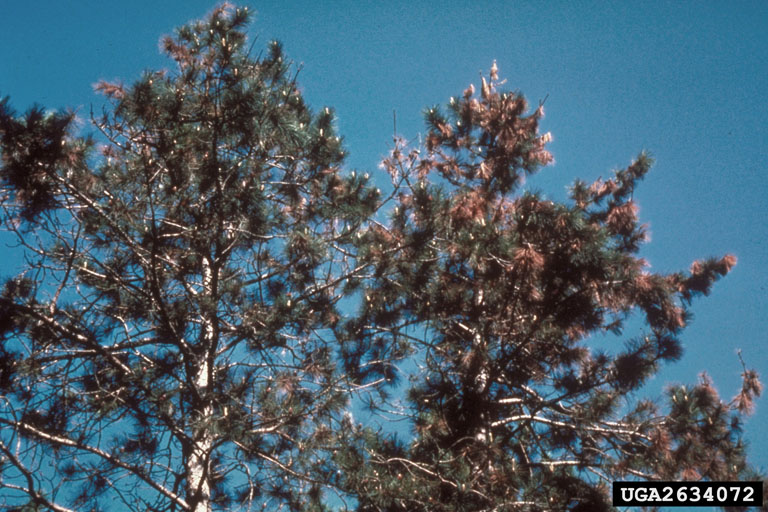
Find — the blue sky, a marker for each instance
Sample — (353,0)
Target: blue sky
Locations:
(684,80)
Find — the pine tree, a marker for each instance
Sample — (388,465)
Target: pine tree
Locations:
(169,343)
(183,335)
(499,292)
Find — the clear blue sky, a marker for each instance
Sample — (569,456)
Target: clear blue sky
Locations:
(685,80)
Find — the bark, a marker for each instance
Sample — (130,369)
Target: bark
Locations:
(199,459)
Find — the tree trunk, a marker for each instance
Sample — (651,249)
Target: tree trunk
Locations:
(199,459)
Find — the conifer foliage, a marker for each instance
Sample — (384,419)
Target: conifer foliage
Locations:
(499,290)
(205,293)
(166,346)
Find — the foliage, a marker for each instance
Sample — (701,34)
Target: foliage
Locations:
(183,333)
(168,344)
(501,292)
